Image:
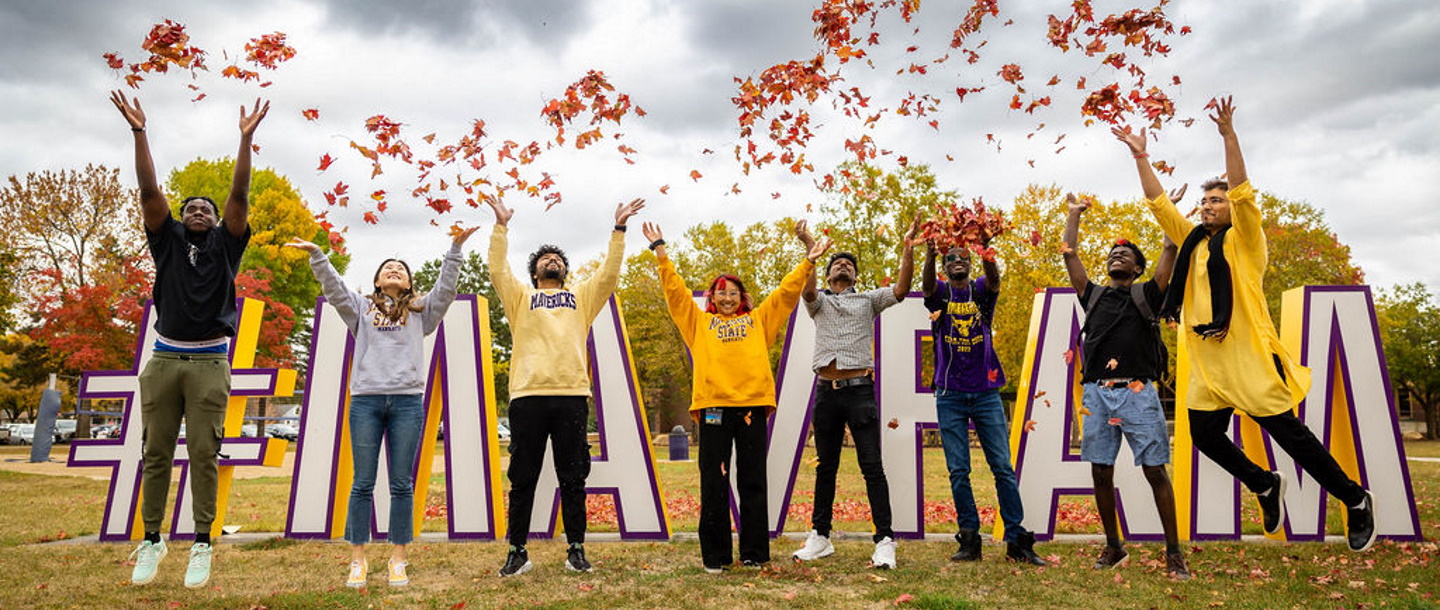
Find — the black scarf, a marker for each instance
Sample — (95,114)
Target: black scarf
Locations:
(1221,290)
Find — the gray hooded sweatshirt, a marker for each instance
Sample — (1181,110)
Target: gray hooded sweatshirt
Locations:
(389,356)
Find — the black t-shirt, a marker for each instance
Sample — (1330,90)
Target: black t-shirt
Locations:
(195,281)
(1117,331)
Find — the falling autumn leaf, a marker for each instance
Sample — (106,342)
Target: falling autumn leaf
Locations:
(1111,364)
(1137,386)
(310,114)
(894,423)
(695,175)
(1115,421)
(1069,356)
(1030,425)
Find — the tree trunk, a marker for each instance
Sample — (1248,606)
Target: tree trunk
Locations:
(1432,421)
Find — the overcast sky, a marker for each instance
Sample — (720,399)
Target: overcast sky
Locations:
(1339,105)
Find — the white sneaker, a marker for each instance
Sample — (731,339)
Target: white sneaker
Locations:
(816,546)
(198,573)
(884,557)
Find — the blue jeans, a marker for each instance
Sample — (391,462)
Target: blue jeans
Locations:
(399,418)
(956,411)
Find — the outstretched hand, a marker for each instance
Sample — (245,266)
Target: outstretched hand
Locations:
(502,213)
(1136,142)
(1075,204)
(802,232)
(464,234)
(249,122)
(652,232)
(302,244)
(624,211)
(132,112)
(910,233)
(1224,116)
(1177,194)
(817,250)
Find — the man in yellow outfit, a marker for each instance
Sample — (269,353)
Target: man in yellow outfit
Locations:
(1237,360)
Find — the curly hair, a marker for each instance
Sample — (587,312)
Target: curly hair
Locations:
(208,200)
(1139,256)
(1215,183)
(535,260)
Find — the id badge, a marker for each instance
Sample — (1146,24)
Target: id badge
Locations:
(713,416)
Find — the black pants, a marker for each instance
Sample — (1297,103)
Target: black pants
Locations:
(1208,429)
(741,431)
(834,409)
(562,420)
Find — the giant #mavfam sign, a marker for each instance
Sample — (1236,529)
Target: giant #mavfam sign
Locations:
(1333,329)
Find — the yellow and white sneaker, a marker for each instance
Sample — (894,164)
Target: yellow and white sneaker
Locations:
(359,574)
(398,577)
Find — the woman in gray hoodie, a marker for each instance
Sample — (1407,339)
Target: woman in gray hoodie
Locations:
(387,384)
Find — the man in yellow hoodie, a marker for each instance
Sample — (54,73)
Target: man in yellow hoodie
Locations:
(550,378)
(1237,360)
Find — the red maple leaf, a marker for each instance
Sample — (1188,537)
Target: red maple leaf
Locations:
(310,114)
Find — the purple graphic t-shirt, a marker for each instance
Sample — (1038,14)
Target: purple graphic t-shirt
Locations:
(965,359)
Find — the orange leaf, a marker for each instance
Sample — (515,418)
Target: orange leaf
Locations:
(1137,386)
(696,175)
(665,190)
(1069,356)
(1112,364)
(1030,425)
(310,114)
(993,375)
(894,423)
(325,162)
(1115,421)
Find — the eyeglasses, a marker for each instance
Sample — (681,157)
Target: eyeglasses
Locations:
(950,258)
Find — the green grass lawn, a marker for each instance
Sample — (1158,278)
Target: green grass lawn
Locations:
(290,574)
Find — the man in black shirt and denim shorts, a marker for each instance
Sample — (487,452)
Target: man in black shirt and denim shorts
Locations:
(1122,358)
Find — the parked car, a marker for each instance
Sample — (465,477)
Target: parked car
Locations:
(23,434)
(104,431)
(282,430)
(503,430)
(65,430)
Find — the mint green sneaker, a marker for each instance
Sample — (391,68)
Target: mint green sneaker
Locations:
(147,557)
(199,571)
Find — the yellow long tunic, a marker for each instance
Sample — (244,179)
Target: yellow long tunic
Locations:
(1243,369)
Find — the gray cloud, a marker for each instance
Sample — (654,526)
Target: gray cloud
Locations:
(485,24)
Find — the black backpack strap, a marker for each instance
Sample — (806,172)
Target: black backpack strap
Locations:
(1095,291)
(1137,294)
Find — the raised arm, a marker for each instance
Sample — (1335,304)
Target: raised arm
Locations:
(678,298)
(237,205)
(345,301)
(1078,278)
(1234,162)
(907,262)
(802,231)
(153,207)
(1166,264)
(1149,182)
(927,271)
(992,272)
(507,286)
(593,293)
(778,304)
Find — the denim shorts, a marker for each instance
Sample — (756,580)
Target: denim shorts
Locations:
(1135,415)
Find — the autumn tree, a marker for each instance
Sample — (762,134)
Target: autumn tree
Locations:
(277,215)
(475,279)
(9,287)
(24,371)
(872,209)
(1303,250)
(1410,330)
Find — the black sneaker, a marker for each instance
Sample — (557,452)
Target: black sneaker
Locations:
(1360,524)
(969,546)
(1111,557)
(516,563)
(751,563)
(1022,550)
(1272,504)
(575,559)
(1175,566)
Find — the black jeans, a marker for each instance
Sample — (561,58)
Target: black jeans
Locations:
(834,409)
(562,420)
(741,431)
(1207,431)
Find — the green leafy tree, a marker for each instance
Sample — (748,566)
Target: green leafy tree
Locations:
(656,347)
(1410,330)
(872,209)
(475,279)
(1303,250)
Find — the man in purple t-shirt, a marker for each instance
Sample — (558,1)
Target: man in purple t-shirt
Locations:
(968,379)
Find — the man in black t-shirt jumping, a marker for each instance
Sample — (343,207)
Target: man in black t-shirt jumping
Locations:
(1122,358)
(188,374)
